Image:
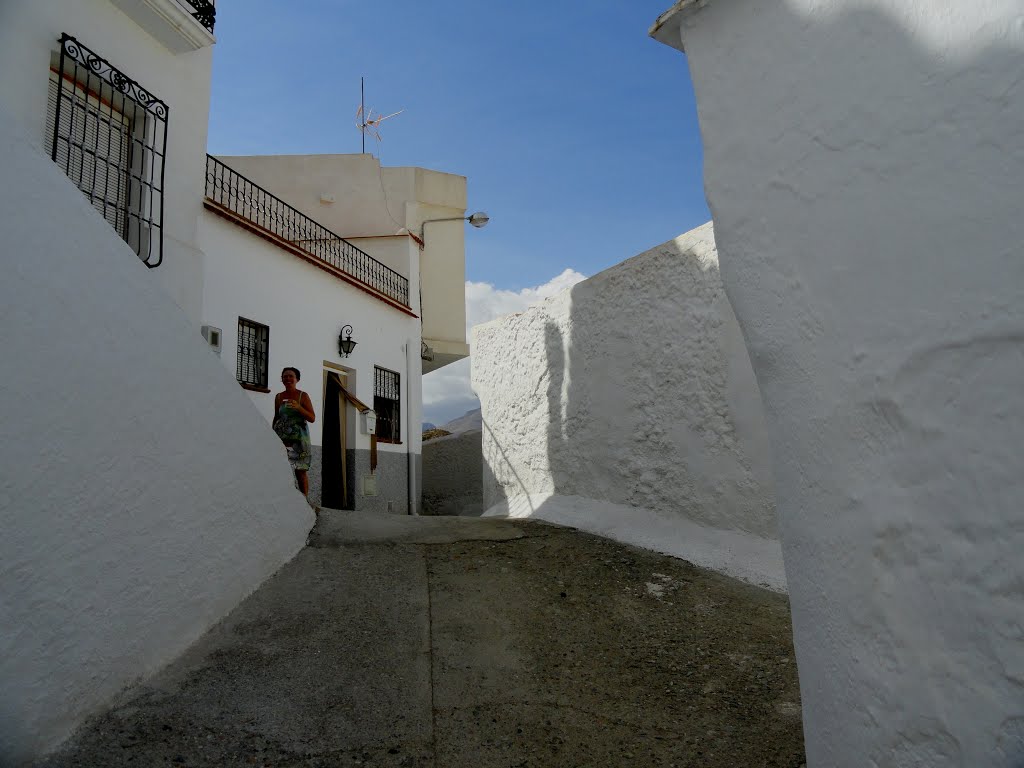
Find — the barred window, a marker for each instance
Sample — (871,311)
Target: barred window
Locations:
(386,402)
(253,346)
(109,135)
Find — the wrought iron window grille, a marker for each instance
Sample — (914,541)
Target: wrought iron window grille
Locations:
(204,12)
(387,405)
(233,191)
(253,353)
(109,135)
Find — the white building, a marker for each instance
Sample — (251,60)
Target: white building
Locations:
(627,406)
(863,165)
(141,495)
(300,247)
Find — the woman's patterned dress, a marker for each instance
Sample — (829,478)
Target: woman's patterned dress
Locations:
(294,433)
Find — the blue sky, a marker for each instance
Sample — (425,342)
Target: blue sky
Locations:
(576,131)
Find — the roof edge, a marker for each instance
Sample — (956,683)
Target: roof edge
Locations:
(665,28)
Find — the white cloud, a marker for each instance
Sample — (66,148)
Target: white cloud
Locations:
(484,302)
(446,392)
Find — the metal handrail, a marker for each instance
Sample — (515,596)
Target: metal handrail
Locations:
(230,189)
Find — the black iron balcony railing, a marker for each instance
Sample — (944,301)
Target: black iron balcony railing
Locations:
(231,190)
(204,12)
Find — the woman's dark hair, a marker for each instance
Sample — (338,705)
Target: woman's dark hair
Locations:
(298,376)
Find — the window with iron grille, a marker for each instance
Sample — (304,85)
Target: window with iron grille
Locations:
(253,347)
(386,403)
(109,135)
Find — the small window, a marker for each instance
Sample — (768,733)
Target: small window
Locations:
(253,346)
(386,403)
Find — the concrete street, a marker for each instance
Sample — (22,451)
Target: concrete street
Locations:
(462,642)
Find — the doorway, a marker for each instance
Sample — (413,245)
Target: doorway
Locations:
(334,480)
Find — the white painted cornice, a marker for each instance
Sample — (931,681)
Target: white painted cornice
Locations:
(666,28)
(170,22)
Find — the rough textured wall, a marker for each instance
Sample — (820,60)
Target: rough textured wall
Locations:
(453,474)
(633,387)
(141,494)
(863,164)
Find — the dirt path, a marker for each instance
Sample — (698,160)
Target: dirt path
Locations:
(476,643)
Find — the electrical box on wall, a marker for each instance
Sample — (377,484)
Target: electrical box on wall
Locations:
(369,423)
(213,337)
(369,485)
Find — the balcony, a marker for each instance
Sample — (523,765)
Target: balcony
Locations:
(204,12)
(233,196)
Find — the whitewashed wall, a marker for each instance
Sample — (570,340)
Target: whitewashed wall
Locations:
(28,34)
(634,388)
(141,498)
(863,165)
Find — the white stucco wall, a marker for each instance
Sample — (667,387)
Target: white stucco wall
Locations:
(141,495)
(305,309)
(443,270)
(863,165)
(634,388)
(29,32)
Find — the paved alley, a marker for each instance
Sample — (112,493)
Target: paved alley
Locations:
(462,642)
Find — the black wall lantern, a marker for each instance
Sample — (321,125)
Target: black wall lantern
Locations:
(345,343)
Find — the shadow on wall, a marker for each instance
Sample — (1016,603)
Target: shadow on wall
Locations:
(654,404)
(864,173)
(452,473)
(495,490)
(557,356)
(628,408)
(511,484)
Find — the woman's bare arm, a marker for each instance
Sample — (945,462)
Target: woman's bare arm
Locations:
(306,408)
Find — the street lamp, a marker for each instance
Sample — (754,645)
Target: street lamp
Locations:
(478,220)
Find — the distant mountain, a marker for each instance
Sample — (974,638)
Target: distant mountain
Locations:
(468,422)
(427,425)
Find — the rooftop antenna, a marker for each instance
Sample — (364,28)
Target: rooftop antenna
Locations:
(365,121)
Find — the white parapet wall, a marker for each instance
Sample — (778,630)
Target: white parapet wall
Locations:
(863,163)
(141,494)
(632,388)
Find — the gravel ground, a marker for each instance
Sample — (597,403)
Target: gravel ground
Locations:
(444,642)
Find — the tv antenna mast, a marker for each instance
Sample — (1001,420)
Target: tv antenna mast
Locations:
(365,121)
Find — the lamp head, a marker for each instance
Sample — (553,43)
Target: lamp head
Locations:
(478,219)
(345,342)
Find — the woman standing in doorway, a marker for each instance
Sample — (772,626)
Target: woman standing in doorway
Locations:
(293,412)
